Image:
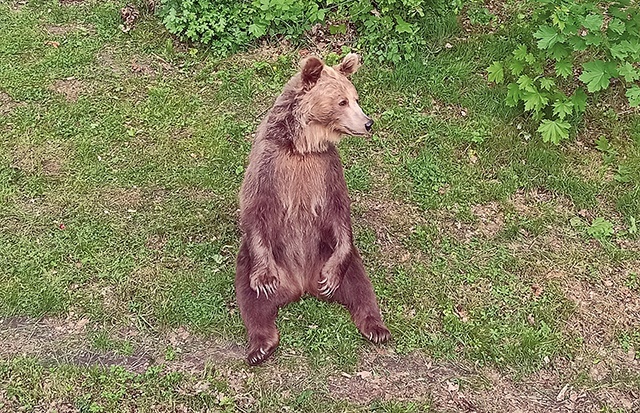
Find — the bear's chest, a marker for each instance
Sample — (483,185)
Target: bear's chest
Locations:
(302,186)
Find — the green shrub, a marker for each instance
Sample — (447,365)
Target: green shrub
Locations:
(390,30)
(585,44)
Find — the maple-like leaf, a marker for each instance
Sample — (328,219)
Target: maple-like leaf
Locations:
(600,228)
(562,108)
(579,100)
(496,72)
(617,25)
(513,94)
(564,68)
(520,53)
(633,94)
(593,22)
(547,37)
(534,100)
(517,67)
(547,83)
(554,130)
(629,72)
(525,83)
(597,74)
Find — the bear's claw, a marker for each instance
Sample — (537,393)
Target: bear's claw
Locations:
(265,285)
(377,333)
(259,355)
(330,286)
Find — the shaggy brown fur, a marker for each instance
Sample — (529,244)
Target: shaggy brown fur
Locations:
(295,209)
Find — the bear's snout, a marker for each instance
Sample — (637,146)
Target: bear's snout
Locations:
(368,125)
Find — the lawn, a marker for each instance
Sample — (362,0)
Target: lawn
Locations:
(507,269)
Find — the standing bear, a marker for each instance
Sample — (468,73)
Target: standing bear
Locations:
(295,209)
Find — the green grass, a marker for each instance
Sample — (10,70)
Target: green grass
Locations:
(118,205)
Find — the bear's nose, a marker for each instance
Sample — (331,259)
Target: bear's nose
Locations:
(368,125)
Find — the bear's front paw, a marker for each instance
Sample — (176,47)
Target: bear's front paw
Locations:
(329,282)
(265,282)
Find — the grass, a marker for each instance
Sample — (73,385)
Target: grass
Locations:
(121,156)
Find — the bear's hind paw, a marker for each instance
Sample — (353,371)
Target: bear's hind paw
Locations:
(260,355)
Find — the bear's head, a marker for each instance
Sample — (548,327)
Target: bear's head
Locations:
(329,105)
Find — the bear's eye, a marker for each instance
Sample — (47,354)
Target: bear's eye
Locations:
(343,102)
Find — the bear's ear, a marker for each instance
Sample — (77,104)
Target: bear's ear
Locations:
(311,71)
(349,65)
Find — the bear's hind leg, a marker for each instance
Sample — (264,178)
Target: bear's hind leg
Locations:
(356,294)
(258,312)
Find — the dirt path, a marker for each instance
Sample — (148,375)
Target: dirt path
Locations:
(381,375)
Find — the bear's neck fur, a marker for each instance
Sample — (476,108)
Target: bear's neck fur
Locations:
(315,137)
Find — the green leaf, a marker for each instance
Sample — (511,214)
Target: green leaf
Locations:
(619,51)
(602,144)
(496,72)
(517,67)
(547,83)
(547,36)
(618,12)
(624,174)
(593,39)
(562,108)
(617,25)
(530,58)
(534,100)
(577,43)
(513,95)
(554,130)
(596,74)
(257,30)
(633,94)
(525,83)
(558,51)
(600,229)
(579,100)
(338,29)
(403,26)
(564,68)
(593,22)
(520,53)
(632,47)
(630,73)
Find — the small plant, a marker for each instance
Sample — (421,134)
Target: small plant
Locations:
(579,45)
(600,229)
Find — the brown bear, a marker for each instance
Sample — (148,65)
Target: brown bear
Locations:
(295,209)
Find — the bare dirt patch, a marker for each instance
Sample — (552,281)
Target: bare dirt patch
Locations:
(56,341)
(107,58)
(63,30)
(463,388)
(71,2)
(7,104)
(445,110)
(489,222)
(530,203)
(604,306)
(70,88)
(48,159)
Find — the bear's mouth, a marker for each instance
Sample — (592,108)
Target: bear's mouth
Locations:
(351,132)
